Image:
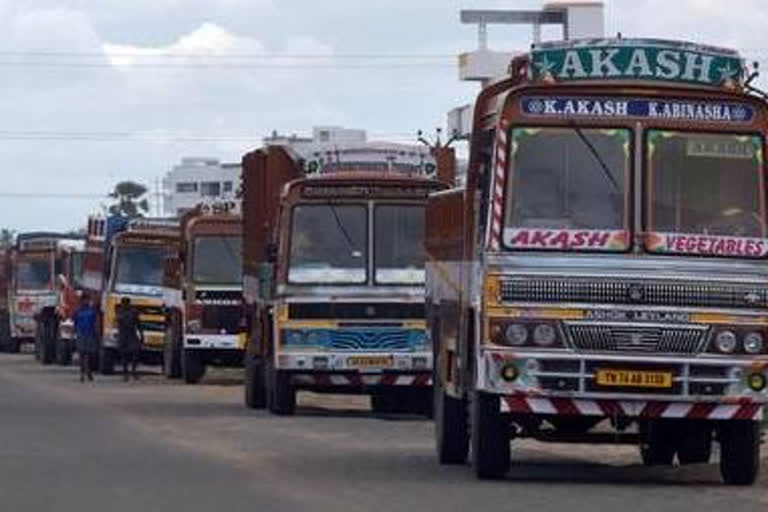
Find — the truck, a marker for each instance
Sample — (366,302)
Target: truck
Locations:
(333,266)
(32,265)
(209,328)
(55,340)
(136,254)
(601,277)
(5,282)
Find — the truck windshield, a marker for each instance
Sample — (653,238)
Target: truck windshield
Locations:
(567,189)
(329,244)
(399,244)
(33,274)
(218,260)
(77,263)
(140,269)
(705,190)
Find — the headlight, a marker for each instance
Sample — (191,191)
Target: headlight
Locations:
(544,335)
(726,342)
(516,334)
(754,343)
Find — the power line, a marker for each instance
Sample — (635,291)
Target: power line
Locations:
(218,55)
(118,136)
(51,195)
(21,64)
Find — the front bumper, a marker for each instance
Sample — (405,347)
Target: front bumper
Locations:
(357,371)
(565,383)
(360,381)
(154,341)
(214,341)
(574,375)
(357,362)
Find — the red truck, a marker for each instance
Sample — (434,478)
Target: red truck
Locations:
(209,326)
(54,332)
(334,282)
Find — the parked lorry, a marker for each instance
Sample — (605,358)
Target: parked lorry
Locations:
(55,334)
(209,327)
(334,283)
(5,282)
(606,260)
(32,266)
(135,256)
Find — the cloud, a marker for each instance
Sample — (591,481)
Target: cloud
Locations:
(140,80)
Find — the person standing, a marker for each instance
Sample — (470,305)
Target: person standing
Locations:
(130,337)
(85,329)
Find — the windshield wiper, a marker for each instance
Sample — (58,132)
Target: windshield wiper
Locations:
(347,237)
(597,156)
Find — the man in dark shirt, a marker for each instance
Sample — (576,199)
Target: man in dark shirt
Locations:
(87,342)
(129,337)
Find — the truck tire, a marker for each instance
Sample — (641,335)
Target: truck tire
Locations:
(255,397)
(48,341)
(64,352)
(660,442)
(385,401)
(451,433)
(38,347)
(15,345)
(281,397)
(421,401)
(192,367)
(739,451)
(107,359)
(172,352)
(490,437)
(5,331)
(695,446)
(451,414)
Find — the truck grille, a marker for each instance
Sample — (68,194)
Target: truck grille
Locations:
(634,292)
(357,310)
(342,339)
(218,318)
(636,338)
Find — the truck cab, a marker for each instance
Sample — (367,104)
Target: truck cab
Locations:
(606,261)
(210,329)
(32,299)
(55,337)
(335,284)
(70,286)
(136,259)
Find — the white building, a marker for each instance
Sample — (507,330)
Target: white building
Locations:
(577,18)
(197,180)
(334,146)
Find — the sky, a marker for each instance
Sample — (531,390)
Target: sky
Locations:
(97,91)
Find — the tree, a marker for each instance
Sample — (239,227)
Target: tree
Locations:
(7,236)
(130,200)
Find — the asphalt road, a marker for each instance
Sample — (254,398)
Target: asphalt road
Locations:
(154,446)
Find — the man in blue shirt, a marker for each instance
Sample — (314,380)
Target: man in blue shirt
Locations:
(85,318)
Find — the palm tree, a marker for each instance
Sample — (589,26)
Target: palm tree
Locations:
(130,200)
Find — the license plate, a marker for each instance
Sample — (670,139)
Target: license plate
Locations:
(370,361)
(634,379)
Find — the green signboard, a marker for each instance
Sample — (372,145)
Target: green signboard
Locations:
(636,59)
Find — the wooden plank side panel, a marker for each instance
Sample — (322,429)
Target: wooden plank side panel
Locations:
(265,173)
